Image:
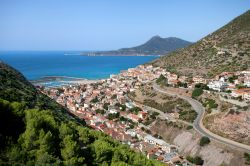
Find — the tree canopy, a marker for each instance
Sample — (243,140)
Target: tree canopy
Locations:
(42,138)
(197,92)
(204,141)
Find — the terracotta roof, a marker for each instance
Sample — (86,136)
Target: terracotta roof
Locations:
(244,90)
(160,158)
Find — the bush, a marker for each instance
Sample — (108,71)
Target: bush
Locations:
(171,69)
(113,116)
(114,96)
(188,116)
(204,141)
(202,86)
(181,84)
(247,157)
(197,92)
(122,107)
(106,106)
(189,127)
(195,160)
(232,78)
(100,111)
(161,80)
(211,103)
(94,100)
(240,86)
(135,110)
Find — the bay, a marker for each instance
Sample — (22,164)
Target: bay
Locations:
(38,64)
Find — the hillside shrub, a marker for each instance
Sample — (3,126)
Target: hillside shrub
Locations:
(195,160)
(161,80)
(204,141)
(202,86)
(189,127)
(211,103)
(188,116)
(197,92)
(247,157)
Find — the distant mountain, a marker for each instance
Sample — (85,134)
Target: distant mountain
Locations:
(227,49)
(155,46)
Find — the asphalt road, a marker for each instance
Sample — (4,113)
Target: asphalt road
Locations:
(198,125)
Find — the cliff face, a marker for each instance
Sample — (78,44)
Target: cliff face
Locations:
(227,49)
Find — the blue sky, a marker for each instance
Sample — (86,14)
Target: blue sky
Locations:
(108,24)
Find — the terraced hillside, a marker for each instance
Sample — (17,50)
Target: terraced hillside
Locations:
(227,49)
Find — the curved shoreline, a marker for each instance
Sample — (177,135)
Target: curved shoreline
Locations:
(70,77)
(56,77)
(62,80)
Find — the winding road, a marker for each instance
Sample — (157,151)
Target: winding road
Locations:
(198,125)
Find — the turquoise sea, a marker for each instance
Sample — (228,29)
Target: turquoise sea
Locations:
(38,64)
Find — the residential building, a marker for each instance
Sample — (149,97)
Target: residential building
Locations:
(199,79)
(217,85)
(244,93)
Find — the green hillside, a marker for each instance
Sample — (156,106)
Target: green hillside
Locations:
(34,130)
(227,49)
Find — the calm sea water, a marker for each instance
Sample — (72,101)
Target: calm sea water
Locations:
(35,65)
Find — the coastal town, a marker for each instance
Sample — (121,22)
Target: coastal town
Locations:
(125,83)
(106,106)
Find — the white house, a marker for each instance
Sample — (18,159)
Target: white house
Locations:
(112,110)
(131,132)
(129,104)
(217,85)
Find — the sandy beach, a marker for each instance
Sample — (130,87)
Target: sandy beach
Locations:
(55,81)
